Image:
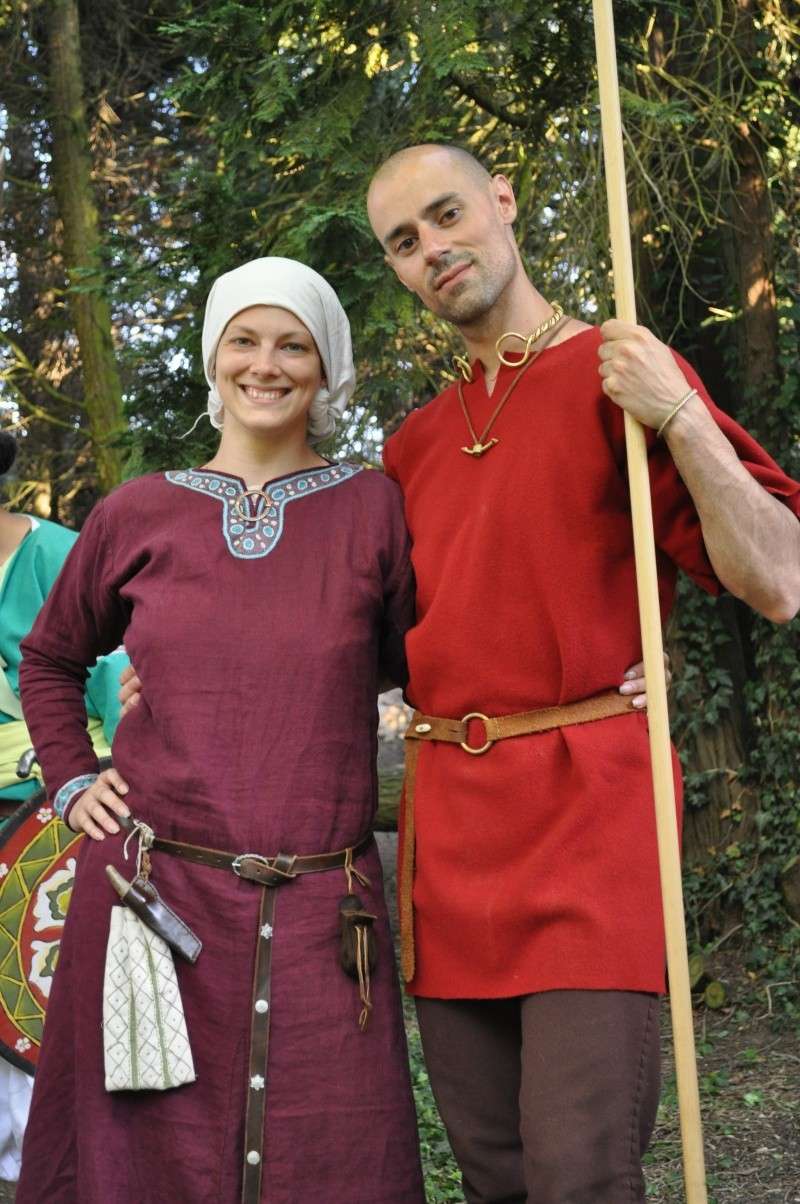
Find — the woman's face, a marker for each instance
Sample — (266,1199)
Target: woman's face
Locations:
(267,371)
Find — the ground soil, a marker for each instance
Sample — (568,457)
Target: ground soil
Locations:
(749,1066)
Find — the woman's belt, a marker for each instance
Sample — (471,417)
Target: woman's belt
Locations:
(270,873)
(457,731)
(266,871)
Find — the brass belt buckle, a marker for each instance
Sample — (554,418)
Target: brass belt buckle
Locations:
(476,752)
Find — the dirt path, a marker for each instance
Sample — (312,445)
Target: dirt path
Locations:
(750,1096)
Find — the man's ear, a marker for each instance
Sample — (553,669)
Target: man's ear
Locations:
(505,200)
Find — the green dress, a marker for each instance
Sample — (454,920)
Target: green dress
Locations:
(25,581)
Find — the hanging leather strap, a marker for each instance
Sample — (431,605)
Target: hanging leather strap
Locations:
(259,1049)
(461,731)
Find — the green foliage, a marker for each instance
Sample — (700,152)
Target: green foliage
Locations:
(225,129)
(442,1177)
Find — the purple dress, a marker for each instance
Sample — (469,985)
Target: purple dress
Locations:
(259,627)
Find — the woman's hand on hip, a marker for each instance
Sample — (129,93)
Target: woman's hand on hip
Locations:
(634,684)
(93,811)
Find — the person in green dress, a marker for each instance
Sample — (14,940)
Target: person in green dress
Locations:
(32,551)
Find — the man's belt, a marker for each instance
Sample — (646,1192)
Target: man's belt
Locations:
(462,732)
(269,873)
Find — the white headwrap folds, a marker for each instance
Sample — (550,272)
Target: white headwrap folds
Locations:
(298,288)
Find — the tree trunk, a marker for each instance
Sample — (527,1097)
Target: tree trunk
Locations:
(718,749)
(78,212)
(730,814)
(751,232)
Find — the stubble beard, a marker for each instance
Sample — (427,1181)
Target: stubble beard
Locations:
(475,298)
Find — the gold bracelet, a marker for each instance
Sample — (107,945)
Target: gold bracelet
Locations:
(678,406)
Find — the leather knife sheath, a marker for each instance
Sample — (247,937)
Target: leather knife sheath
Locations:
(143,899)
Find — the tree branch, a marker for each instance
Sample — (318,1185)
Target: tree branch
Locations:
(484,100)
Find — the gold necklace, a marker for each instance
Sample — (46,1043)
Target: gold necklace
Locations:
(479,445)
(463,366)
(529,340)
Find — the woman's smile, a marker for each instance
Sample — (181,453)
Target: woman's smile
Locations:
(259,393)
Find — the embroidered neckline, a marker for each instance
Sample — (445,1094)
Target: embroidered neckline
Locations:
(252,519)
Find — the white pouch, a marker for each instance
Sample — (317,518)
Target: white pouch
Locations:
(145,1042)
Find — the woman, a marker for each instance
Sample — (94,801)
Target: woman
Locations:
(262,598)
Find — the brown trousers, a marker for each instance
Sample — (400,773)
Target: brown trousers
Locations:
(547,1098)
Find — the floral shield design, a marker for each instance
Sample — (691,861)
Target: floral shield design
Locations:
(37,868)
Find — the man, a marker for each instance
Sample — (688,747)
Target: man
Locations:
(536,947)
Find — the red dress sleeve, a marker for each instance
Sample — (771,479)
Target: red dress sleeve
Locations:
(676,523)
(82,618)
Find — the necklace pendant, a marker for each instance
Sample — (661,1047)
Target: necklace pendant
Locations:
(478,449)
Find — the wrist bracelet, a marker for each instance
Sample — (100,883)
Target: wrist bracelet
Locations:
(678,406)
(69,790)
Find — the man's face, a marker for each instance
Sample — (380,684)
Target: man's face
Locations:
(446,233)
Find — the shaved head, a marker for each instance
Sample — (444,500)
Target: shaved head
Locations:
(402,159)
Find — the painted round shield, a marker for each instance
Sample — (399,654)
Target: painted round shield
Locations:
(37,868)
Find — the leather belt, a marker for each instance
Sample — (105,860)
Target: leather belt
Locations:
(266,871)
(269,873)
(457,731)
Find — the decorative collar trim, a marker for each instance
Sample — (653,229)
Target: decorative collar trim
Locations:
(252,519)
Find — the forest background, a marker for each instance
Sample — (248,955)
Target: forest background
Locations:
(152,144)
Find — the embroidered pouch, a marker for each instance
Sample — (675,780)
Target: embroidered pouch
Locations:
(145,1042)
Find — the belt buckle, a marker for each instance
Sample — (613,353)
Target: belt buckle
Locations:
(236,864)
(281,868)
(476,752)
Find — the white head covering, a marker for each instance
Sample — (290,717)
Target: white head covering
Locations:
(301,290)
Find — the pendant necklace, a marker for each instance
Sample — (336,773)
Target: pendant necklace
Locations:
(480,445)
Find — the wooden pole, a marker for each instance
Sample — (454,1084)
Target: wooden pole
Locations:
(650,621)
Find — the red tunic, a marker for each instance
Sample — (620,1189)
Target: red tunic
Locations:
(536,864)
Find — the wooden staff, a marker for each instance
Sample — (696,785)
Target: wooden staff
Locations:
(650,621)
